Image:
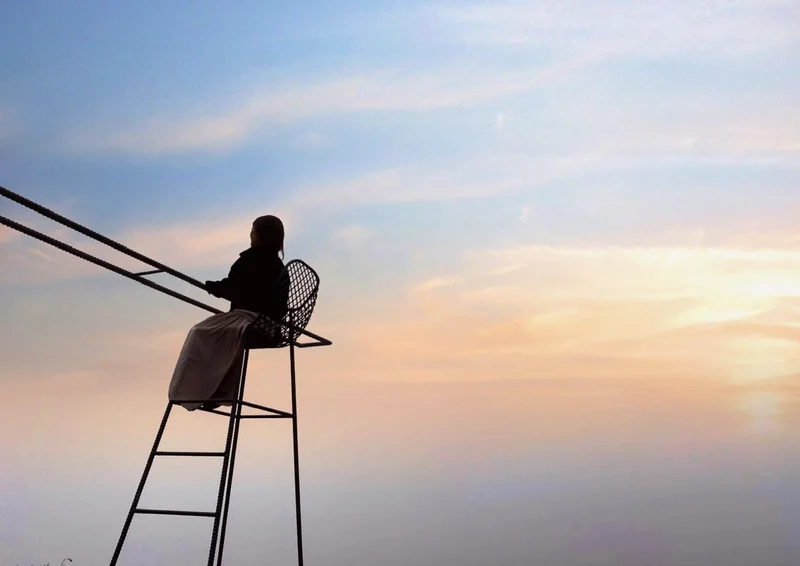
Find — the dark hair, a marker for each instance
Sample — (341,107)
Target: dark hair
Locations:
(270,232)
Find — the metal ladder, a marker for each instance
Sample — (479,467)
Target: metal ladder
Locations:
(228,455)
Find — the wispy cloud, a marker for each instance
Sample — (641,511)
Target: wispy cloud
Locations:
(661,27)
(726,313)
(223,129)
(525,214)
(573,36)
(354,234)
(684,120)
(7,234)
(486,176)
(739,275)
(500,122)
(212,241)
(197,243)
(436,283)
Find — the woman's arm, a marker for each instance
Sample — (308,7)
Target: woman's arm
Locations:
(221,289)
(224,288)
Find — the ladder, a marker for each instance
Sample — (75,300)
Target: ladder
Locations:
(228,457)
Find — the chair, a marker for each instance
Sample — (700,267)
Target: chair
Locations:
(299,283)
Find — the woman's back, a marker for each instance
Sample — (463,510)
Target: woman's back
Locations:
(256,285)
(252,283)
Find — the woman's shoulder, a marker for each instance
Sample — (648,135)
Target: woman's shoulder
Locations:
(267,258)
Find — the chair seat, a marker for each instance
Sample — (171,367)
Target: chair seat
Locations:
(258,341)
(265,333)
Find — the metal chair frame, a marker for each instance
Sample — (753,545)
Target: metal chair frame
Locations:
(263,333)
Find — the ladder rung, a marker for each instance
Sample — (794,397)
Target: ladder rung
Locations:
(173,512)
(264,417)
(174,453)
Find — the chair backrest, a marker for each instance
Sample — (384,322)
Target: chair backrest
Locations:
(298,283)
(303,290)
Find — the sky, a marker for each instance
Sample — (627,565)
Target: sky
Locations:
(559,264)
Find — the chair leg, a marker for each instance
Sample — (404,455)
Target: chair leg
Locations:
(237,408)
(142,481)
(296,460)
(222,482)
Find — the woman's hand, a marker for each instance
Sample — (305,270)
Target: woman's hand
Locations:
(210,286)
(221,289)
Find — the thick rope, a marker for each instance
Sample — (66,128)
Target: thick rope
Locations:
(102,263)
(94,235)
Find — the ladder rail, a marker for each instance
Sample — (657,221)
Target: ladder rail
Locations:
(140,488)
(236,414)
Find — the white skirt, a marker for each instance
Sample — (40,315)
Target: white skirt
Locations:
(211,359)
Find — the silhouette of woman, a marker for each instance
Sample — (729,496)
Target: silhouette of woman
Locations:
(210,360)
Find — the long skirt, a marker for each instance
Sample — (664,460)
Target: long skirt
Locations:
(210,361)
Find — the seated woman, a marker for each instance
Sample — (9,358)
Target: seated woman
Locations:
(209,363)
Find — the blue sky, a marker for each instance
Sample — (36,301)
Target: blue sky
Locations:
(583,213)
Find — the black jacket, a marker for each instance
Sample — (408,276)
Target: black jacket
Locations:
(252,283)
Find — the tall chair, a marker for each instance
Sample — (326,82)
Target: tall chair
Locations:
(300,284)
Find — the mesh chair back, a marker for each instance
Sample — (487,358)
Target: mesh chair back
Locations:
(303,291)
(299,284)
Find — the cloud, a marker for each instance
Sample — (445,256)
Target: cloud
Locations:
(500,122)
(721,313)
(635,29)
(493,174)
(353,234)
(212,241)
(7,234)
(436,283)
(485,176)
(26,260)
(528,311)
(606,117)
(743,278)
(198,243)
(224,129)
(616,121)
(702,129)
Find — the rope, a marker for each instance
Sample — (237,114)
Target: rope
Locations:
(95,260)
(94,235)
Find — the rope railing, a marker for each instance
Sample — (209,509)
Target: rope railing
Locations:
(139,277)
(46,212)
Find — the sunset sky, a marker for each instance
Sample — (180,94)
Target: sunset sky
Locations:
(560,265)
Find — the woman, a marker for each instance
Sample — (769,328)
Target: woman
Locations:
(210,361)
